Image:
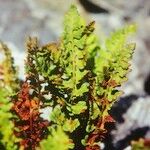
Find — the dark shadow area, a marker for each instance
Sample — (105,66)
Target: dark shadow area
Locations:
(117,111)
(108,137)
(121,106)
(147,85)
(91,7)
(1,145)
(134,135)
(120,145)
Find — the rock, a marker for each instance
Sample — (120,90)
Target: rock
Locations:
(136,119)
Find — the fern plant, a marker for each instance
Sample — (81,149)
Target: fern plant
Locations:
(85,76)
(77,79)
(9,84)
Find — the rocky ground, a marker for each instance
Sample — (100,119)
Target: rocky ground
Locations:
(43,18)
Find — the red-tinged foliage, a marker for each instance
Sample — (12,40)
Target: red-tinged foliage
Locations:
(110,83)
(98,134)
(32,128)
(94,147)
(147,142)
(94,137)
(108,119)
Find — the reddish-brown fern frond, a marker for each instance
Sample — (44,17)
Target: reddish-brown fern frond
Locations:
(31,126)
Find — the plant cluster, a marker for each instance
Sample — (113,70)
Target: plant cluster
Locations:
(77,78)
(141,144)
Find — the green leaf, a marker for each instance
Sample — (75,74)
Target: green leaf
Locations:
(7,139)
(70,125)
(78,108)
(57,116)
(58,140)
(83,89)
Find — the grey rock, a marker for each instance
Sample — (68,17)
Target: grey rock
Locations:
(137,116)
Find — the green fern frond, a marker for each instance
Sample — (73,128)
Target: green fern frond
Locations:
(112,63)
(8,139)
(73,53)
(58,140)
(9,73)
(88,75)
(9,84)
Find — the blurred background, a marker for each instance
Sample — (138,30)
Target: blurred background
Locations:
(44,19)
